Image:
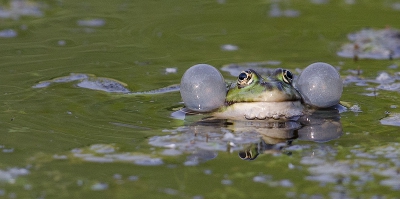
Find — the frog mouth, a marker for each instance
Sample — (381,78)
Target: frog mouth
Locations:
(262,110)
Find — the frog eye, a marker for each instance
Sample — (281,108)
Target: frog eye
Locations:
(247,155)
(244,79)
(242,76)
(287,76)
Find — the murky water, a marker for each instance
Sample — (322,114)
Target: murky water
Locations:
(64,141)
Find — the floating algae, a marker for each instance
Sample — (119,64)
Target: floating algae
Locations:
(372,44)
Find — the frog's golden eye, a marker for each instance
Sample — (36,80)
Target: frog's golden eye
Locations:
(287,76)
(245,78)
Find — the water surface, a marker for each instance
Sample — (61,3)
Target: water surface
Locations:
(63,141)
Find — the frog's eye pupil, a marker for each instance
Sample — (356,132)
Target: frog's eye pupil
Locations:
(287,76)
(242,76)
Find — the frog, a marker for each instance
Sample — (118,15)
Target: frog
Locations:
(253,97)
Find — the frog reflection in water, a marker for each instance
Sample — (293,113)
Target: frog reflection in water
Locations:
(255,97)
(320,126)
(250,138)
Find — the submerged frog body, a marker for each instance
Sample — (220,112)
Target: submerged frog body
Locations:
(255,97)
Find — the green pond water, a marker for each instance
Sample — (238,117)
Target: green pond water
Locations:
(67,142)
